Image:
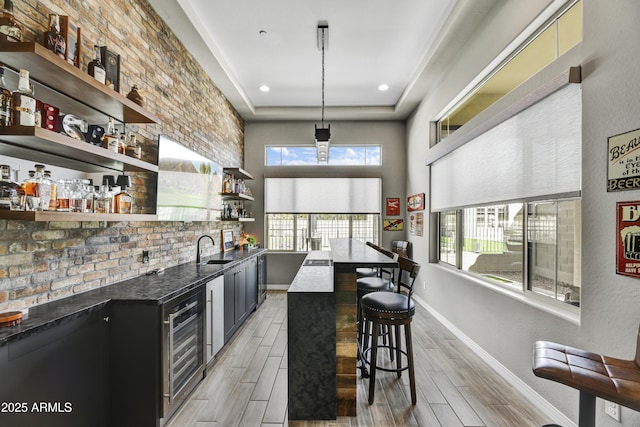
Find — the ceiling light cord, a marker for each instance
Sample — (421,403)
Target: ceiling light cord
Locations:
(323,77)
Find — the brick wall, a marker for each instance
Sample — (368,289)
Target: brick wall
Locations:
(44,261)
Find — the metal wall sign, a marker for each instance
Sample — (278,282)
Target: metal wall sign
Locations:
(628,239)
(623,171)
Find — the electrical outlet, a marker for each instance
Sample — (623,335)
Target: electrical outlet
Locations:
(424,284)
(145,257)
(612,409)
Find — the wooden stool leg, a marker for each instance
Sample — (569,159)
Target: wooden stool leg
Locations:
(397,349)
(412,377)
(373,360)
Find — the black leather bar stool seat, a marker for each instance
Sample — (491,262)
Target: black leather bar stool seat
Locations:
(391,309)
(367,272)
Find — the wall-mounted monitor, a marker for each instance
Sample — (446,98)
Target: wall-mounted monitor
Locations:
(188,184)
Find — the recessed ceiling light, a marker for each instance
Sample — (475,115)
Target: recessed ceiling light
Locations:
(383,87)
(265,88)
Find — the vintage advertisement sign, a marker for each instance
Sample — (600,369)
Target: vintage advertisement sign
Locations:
(415,202)
(393,206)
(393,224)
(628,239)
(623,171)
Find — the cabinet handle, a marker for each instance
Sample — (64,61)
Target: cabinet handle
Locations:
(169,395)
(106,319)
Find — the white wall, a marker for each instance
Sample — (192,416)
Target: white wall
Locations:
(391,135)
(502,324)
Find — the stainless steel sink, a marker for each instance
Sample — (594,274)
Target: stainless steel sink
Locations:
(317,262)
(217,261)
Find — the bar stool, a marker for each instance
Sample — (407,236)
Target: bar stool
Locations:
(368,271)
(391,309)
(593,374)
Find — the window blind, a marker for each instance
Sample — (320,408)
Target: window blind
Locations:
(323,195)
(535,153)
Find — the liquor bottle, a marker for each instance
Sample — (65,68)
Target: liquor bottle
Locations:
(53,199)
(43,188)
(10,30)
(110,140)
(10,191)
(5,101)
(123,201)
(23,104)
(95,67)
(133,149)
(103,200)
(53,40)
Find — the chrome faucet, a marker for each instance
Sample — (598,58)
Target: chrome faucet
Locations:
(198,246)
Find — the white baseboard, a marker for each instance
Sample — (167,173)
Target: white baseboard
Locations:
(529,393)
(276,287)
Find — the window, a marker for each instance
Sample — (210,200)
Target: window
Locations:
(508,200)
(359,155)
(305,232)
(551,41)
(547,263)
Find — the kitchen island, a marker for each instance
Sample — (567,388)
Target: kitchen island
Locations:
(322,330)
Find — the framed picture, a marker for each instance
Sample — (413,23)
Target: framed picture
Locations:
(228,244)
(72,36)
(111,62)
(393,206)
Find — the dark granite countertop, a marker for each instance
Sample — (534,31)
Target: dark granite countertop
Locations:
(146,289)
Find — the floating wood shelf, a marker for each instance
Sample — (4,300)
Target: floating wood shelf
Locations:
(44,146)
(68,81)
(73,216)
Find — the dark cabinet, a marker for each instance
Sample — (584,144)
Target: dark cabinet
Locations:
(234,300)
(251,283)
(59,376)
(240,295)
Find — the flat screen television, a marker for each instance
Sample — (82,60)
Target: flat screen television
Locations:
(188,184)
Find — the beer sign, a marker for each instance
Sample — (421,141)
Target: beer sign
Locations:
(623,171)
(628,239)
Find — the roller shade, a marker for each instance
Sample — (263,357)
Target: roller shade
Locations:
(534,153)
(323,195)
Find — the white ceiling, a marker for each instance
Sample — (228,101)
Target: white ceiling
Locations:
(370,42)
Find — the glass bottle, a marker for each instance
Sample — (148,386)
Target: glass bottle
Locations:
(5,101)
(7,188)
(110,140)
(32,202)
(123,201)
(95,67)
(133,149)
(43,188)
(53,40)
(103,201)
(10,30)
(63,203)
(23,104)
(53,200)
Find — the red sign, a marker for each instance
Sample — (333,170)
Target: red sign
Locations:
(628,239)
(393,207)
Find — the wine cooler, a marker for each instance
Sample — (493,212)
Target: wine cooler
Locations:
(183,358)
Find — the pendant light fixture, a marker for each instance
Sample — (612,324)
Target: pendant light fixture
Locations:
(323,134)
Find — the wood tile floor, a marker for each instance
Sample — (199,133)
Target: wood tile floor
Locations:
(247,383)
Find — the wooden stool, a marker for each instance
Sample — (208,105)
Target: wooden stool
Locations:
(391,309)
(594,375)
